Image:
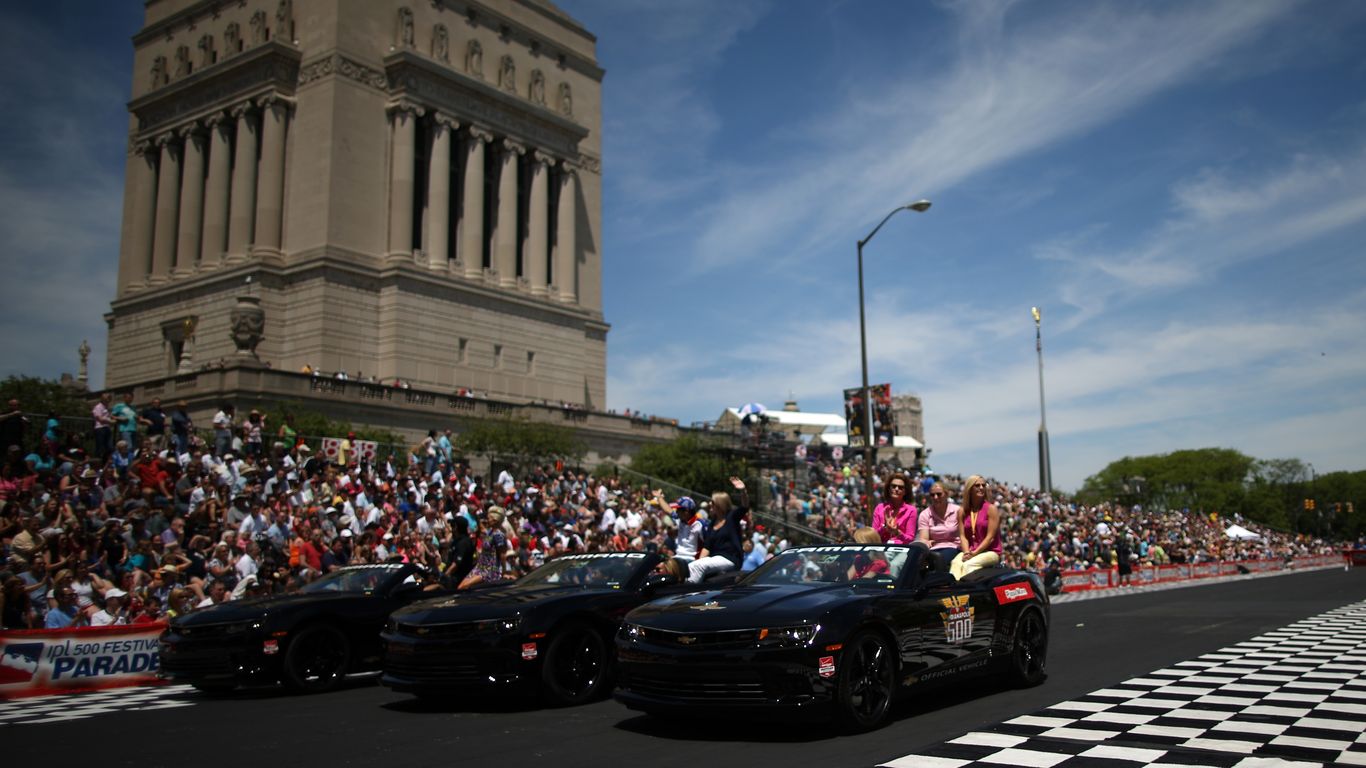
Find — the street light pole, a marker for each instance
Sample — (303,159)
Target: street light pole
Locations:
(870,445)
(1045,461)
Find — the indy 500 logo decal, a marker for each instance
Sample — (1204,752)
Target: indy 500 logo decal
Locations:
(957,616)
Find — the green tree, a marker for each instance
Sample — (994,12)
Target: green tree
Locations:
(44,396)
(691,461)
(520,443)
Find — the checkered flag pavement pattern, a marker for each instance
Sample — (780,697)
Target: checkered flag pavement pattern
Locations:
(1292,697)
(60,708)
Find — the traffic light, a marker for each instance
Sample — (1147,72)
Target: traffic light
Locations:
(1308,504)
(1311,505)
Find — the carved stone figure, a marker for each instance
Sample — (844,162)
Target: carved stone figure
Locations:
(259,33)
(160,73)
(207,55)
(284,21)
(232,39)
(248,325)
(474,59)
(441,44)
(406,35)
(566,100)
(507,75)
(84,352)
(182,61)
(536,91)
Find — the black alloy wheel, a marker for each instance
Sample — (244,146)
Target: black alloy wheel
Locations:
(1029,650)
(867,678)
(316,660)
(576,665)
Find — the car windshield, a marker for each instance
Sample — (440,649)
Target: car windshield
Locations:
(358,579)
(606,569)
(873,565)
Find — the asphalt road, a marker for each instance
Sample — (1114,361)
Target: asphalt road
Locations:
(1094,643)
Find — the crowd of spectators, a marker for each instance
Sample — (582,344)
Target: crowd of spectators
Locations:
(1040,530)
(160,521)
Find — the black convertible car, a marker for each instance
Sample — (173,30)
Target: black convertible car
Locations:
(309,639)
(550,630)
(832,630)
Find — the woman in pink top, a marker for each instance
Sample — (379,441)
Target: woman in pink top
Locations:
(979,530)
(939,524)
(894,519)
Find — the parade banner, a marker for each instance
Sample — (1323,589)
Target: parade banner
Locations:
(1108,578)
(361,450)
(35,662)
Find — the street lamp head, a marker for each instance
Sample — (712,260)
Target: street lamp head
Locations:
(1037,316)
(919,206)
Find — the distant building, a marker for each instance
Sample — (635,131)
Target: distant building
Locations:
(910,416)
(398,190)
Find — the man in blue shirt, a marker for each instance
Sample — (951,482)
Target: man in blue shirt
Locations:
(66,614)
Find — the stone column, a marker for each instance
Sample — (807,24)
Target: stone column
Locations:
(566,236)
(191,201)
(505,230)
(270,187)
(242,211)
(215,240)
(401,181)
(168,208)
(537,254)
(143,229)
(439,193)
(472,212)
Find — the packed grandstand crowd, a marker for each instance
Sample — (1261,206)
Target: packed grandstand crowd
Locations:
(160,520)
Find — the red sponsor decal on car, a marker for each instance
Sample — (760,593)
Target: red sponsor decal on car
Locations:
(528,651)
(827,666)
(1014,593)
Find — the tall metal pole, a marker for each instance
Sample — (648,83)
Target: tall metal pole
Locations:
(870,444)
(1045,461)
(870,450)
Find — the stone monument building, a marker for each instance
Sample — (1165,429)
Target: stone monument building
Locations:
(398,189)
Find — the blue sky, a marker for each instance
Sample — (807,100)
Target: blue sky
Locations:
(1180,186)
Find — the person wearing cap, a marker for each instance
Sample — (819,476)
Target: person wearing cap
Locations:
(113,611)
(688,540)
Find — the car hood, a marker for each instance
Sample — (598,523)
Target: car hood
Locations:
(260,607)
(748,606)
(490,603)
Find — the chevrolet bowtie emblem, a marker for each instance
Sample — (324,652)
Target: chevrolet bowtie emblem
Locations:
(710,605)
(687,640)
(422,630)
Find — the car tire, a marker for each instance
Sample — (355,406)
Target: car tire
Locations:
(577,665)
(867,682)
(1029,649)
(317,660)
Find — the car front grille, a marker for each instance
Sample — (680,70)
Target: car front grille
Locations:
(696,683)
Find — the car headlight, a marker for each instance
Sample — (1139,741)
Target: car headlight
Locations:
(788,637)
(242,627)
(632,632)
(501,626)
(391,627)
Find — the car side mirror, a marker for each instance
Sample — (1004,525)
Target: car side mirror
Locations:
(933,580)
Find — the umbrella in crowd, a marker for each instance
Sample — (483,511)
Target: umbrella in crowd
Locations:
(752,409)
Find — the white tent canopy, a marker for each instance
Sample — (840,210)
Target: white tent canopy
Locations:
(1241,534)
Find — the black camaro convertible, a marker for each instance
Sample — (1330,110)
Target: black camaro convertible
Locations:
(551,629)
(309,639)
(832,630)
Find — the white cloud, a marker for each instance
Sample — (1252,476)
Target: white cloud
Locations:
(1014,87)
